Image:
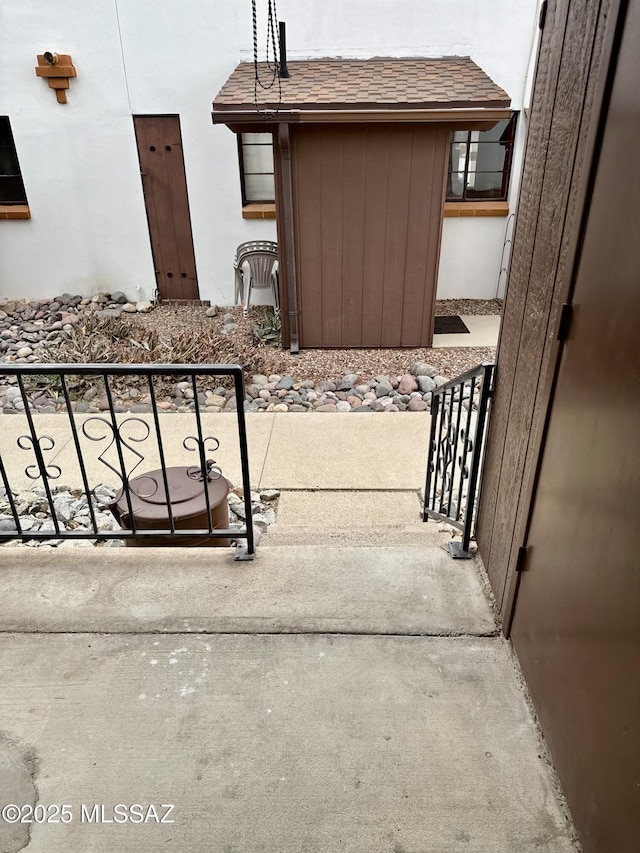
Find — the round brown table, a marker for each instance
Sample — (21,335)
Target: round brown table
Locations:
(149,506)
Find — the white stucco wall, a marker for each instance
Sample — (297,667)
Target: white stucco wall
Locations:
(467,269)
(88,229)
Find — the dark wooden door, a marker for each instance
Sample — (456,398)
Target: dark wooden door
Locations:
(576,627)
(165,194)
(368,204)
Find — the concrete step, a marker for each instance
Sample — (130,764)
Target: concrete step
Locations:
(429,534)
(354,517)
(346,507)
(401,589)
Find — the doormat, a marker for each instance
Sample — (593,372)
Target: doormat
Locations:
(449,326)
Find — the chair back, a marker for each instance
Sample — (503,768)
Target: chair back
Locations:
(265,246)
(261,267)
(261,256)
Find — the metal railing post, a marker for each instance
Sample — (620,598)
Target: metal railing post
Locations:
(248,552)
(460,441)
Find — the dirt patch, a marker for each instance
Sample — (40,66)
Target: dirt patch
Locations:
(171,323)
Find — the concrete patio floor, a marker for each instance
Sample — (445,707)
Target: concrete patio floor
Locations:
(484,330)
(319,699)
(364,744)
(348,690)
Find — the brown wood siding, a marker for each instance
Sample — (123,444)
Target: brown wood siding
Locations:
(576,627)
(167,203)
(368,217)
(562,123)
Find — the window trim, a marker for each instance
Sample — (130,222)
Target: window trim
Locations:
(6,207)
(246,202)
(506,169)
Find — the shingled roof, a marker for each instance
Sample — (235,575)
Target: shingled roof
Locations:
(321,85)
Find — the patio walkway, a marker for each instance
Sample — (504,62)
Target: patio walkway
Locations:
(287,450)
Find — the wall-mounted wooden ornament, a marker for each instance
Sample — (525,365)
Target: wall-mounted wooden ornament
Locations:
(57,68)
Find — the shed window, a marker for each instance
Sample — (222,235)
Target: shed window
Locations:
(11,186)
(480,163)
(255,151)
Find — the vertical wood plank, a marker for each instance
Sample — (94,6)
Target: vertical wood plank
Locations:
(353,201)
(426,200)
(166,221)
(418,243)
(398,191)
(331,146)
(185,275)
(307,165)
(287,232)
(144,134)
(377,157)
(441,142)
(283,248)
(556,164)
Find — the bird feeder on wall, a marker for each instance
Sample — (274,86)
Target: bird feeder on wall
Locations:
(57,68)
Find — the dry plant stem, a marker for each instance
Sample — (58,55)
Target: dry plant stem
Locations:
(184,334)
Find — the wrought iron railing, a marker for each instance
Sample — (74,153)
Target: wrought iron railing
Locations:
(459,413)
(121,441)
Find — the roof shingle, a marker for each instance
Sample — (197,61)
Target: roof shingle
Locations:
(381,83)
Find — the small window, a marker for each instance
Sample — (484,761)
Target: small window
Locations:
(11,186)
(255,151)
(480,163)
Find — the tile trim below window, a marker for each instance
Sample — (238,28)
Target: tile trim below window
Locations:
(259,210)
(15,211)
(476,208)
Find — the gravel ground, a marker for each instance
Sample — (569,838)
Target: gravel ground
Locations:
(70,328)
(171,321)
(447,307)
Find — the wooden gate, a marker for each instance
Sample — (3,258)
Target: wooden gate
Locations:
(576,627)
(368,202)
(167,203)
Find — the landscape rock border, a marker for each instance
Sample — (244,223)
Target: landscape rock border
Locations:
(71,507)
(29,329)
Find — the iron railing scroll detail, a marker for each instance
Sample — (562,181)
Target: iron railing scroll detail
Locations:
(459,414)
(109,446)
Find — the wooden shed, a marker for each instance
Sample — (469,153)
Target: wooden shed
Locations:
(361,152)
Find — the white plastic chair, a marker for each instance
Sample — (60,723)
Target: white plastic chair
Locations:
(256,265)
